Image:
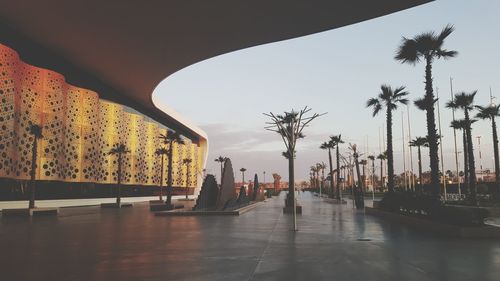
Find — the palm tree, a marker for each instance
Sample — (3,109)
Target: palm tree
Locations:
(221,160)
(461,124)
(382,157)
(314,171)
(243,170)
(321,167)
(389,99)
(36,131)
(161,152)
(372,157)
(187,162)
(419,142)
(119,149)
(427,46)
(169,139)
(336,141)
(465,101)
(363,163)
(490,112)
(329,145)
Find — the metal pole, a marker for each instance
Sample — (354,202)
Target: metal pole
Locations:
(441,145)
(404,150)
(455,140)
(412,186)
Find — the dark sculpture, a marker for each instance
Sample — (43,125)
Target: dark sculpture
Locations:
(207,200)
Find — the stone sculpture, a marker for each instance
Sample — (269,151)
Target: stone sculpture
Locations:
(207,200)
(227,191)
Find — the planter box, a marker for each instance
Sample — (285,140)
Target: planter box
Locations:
(236,212)
(26,212)
(486,231)
(156,201)
(116,206)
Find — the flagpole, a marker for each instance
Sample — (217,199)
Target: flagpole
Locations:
(411,151)
(441,146)
(404,150)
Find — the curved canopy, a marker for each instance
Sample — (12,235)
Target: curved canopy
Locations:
(124,49)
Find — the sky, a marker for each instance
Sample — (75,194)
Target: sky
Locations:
(336,72)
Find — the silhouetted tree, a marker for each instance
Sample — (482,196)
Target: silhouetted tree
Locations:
(372,157)
(187,162)
(36,132)
(465,101)
(382,157)
(389,99)
(419,142)
(490,112)
(119,149)
(363,163)
(290,126)
(427,46)
(461,124)
(336,141)
(221,160)
(328,145)
(169,139)
(161,152)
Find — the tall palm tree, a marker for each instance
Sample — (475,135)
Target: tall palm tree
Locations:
(382,157)
(419,142)
(36,131)
(390,99)
(461,124)
(321,167)
(336,141)
(187,162)
(221,160)
(490,112)
(372,157)
(161,152)
(169,139)
(243,170)
(465,101)
(427,46)
(329,145)
(119,149)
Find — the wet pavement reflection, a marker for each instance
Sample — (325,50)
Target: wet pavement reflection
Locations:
(334,242)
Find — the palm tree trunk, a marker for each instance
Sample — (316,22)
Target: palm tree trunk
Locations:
(338,174)
(34,156)
(161,179)
(472,164)
(373,174)
(291,183)
(381,175)
(364,177)
(119,177)
(169,175)
(221,171)
(466,162)
(420,169)
(331,170)
(495,150)
(431,128)
(390,157)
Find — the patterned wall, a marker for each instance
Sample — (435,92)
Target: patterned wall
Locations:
(79,129)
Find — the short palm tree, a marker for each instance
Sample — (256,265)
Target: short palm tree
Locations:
(119,149)
(336,141)
(221,160)
(390,99)
(382,157)
(36,132)
(461,124)
(490,112)
(169,139)
(329,145)
(427,46)
(372,157)
(419,142)
(187,162)
(321,167)
(243,170)
(465,101)
(363,163)
(161,152)
(314,171)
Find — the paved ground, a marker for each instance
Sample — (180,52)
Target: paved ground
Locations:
(132,244)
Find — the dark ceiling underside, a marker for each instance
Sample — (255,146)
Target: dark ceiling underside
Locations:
(124,49)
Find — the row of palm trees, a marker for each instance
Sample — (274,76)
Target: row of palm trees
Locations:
(428,47)
(119,150)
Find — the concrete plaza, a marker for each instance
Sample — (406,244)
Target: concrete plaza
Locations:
(333,243)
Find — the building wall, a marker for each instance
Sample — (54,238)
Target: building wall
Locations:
(79,129)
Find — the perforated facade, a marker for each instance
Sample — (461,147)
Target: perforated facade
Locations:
(79,129)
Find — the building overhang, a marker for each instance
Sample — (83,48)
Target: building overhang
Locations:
(124,49)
